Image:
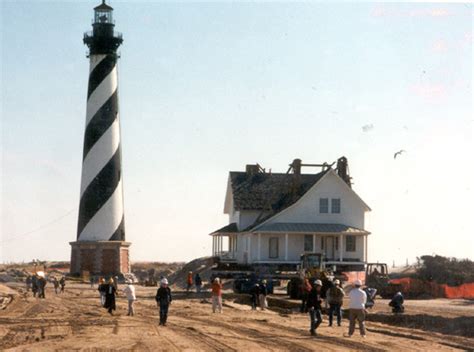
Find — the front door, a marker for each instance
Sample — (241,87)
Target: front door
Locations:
(330,248)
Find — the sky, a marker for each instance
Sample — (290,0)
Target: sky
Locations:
(206,88)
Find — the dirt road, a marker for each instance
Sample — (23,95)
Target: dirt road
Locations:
(75,321)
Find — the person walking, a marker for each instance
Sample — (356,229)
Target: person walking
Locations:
(262,295)
(305,290)
(91,280)
(102,290)
(56,285)
(163,299)
(335,297)
(129,291)
(216,292)
(189,281)
(110,297)
(255,292)
(62,282)
(314,307)
(34,285)
(198,282)
(357,298)
(41,287)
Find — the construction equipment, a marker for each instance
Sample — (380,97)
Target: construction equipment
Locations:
(311,267)
(376,276)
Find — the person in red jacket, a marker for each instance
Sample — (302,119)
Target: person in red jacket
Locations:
(189,281)
(216,292)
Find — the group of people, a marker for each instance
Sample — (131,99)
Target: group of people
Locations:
(334,296)
(259,295)
(37,284)
(197,282)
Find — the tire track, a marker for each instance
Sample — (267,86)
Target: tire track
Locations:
(174,347)
(267,339)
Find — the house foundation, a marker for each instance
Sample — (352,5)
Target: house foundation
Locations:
(100,257)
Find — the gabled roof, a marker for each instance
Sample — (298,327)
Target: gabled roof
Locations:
(261,222)
(269,191)
(288,227)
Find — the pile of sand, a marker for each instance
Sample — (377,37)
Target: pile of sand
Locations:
(203,266)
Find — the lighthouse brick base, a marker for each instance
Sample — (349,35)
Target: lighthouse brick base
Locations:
(100,258)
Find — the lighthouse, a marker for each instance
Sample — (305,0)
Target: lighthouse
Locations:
(100,246)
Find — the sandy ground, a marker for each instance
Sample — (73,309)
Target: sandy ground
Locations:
(75,321)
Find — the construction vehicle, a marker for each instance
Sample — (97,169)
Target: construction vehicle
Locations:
(311,267)
(376,276)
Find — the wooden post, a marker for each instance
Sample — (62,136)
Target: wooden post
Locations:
(341,247)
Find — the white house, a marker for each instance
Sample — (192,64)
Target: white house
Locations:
(276,217)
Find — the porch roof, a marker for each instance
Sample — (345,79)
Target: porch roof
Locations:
(228,229)
(288,227)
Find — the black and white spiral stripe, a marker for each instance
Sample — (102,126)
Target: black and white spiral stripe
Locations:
(101,206)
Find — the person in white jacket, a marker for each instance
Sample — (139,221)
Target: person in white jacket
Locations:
(129,291)
(358,299)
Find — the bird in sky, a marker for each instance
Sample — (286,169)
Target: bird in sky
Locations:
(398,153)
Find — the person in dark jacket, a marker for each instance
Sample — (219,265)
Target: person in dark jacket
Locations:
(314,307)
(397,303)
(62,282)
(335,297)
(254,293)
(41,287)
(34,285)
(163,299)
(110,296)
(198,282)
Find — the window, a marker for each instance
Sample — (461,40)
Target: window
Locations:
(336,245)
(350,243)
(273,247)
(335,205)
(308,243)
(323,205)
(322,243)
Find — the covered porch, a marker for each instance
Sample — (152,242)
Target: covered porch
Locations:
(224,243)
(286,242)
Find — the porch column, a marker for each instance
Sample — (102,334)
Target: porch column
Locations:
(219,249)
(366,254)
(259,242)
(341,247)
(286,246)
(248,248)
(314,243)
